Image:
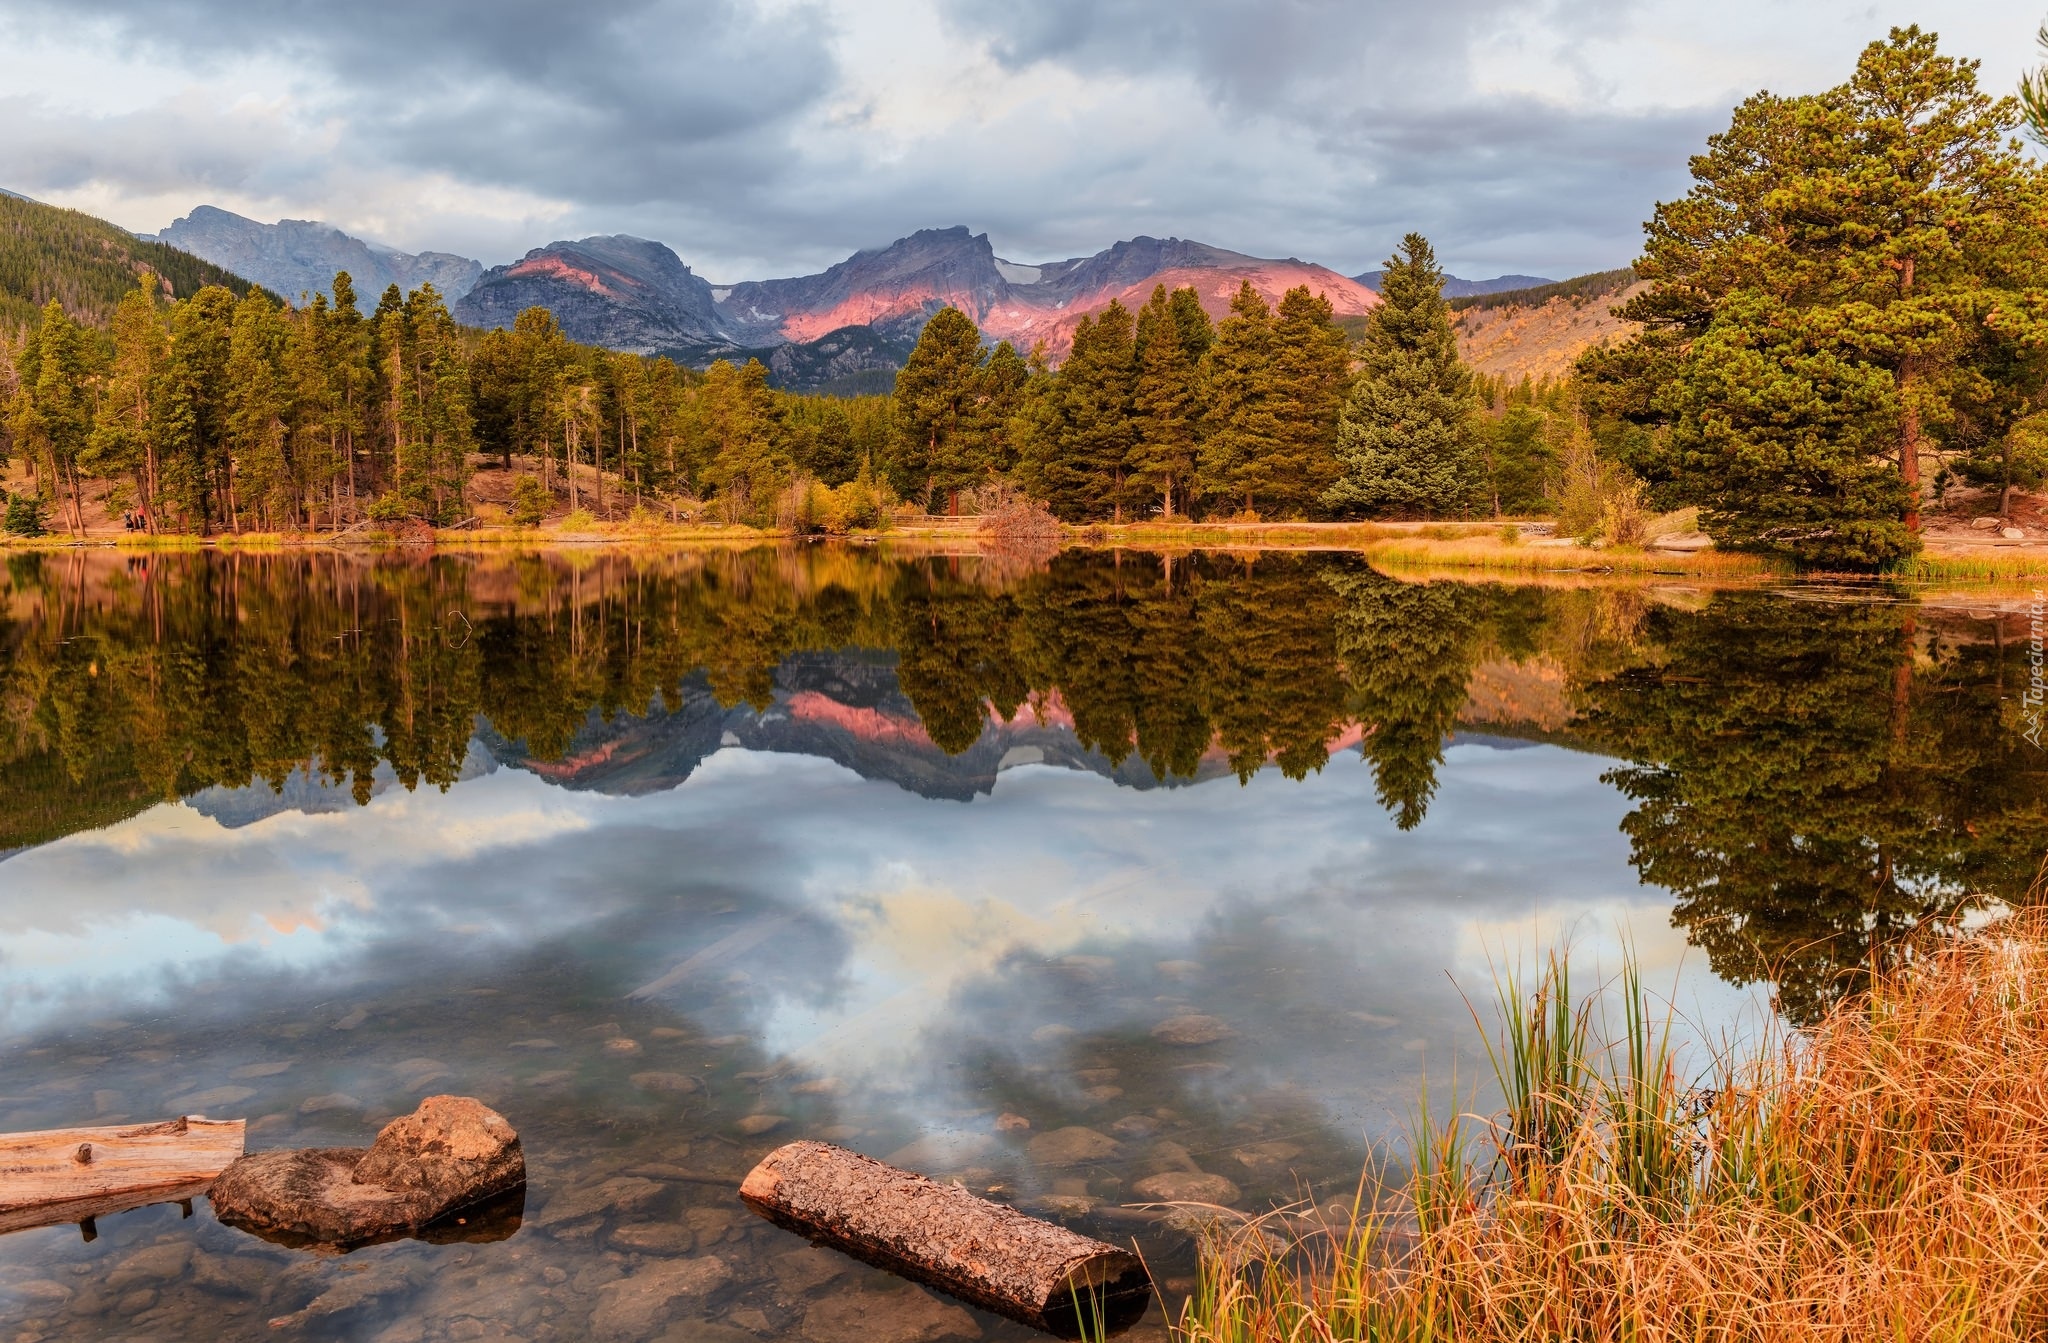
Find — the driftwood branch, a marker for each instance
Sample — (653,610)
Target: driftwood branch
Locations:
(988,1255)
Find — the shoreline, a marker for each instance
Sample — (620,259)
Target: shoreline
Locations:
(1462,551)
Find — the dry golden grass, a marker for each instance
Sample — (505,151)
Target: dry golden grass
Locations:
(1882,1177)
(1489,552)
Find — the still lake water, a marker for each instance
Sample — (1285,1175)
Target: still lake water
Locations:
(1049,879)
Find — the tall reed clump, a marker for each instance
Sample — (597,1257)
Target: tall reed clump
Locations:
(1882,1176)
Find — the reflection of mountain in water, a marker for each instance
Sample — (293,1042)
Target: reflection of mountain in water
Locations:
(307,790)
(845,707)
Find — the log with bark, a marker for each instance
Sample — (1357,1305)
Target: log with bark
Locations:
(1027,1270)
(76,1174)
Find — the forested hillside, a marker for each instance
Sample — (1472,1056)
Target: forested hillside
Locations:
(84,263)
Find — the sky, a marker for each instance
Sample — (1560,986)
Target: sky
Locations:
(774,138)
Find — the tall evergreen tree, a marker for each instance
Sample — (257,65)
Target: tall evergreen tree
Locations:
(1166,401)
(52,416)
(1311,371)
(1083,435)
(124,438)
(1240,421)
(936,394)
(1197,332)
(997,403)
(259,476)
(746,464)
(348,358)
(1405,437)
(192,429)
(1847,270)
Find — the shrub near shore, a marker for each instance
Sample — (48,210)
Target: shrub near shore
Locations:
(1883,1175)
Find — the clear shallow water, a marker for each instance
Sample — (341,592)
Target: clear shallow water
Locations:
(884,852)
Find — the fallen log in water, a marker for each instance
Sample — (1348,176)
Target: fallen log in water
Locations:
(76,1174)
(1034,1272)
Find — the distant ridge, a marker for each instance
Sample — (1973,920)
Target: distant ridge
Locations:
(300,256)
(1589,286)
(85,263)
(1457,288)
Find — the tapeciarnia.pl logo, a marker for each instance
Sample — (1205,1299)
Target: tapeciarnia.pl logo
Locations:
(2031,704)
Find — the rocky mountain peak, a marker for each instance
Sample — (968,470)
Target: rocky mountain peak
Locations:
(300,256)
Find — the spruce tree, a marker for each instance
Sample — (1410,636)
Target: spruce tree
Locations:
(747,463)
(124,428)
(936,394)
(1311,371)
(1404,439)
(192,429)
(1166,401)
(52,417)
(998,400)
(259,474)
(1240,420)
(1097,381)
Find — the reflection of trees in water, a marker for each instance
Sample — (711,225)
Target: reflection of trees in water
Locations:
(1812,780)
(123,681)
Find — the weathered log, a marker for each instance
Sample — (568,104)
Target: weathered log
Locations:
(71,1174)
(1034,1272)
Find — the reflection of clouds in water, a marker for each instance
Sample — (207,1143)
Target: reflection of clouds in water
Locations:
(115,911)
(926,899)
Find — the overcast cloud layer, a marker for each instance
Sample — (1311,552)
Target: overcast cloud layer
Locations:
(776,137)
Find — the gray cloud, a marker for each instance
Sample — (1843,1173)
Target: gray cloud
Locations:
(606,102)
(774,140)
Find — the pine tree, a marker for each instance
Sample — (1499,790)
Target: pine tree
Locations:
(1081,429)
(747,463)
(936,393)
(348,357)
(1166,401)
(314,383)
(1240,421)
(1847,272)
(259,477)
(124,429)
(192,428)
(542,356)
(52,417)
(1197,332)
(1311,370)
(1405,437)
(438,408)
(996,406)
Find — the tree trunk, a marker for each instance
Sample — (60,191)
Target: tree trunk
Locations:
(942,1236)
(1909,446)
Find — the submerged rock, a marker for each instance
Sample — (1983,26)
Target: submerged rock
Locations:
(1186,1187)
(1191,1029)
(1072,1146)
(636,1307)
(448,1154)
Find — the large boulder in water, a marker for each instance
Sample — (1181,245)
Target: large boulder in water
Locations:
(450,1153)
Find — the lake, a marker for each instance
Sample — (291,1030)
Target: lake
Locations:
(1050,878)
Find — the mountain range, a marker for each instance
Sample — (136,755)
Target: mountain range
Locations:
(629,293)
(300,256)
(1457,288)
(847,328)
(844,331)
